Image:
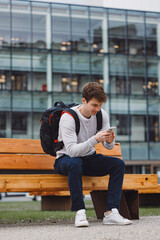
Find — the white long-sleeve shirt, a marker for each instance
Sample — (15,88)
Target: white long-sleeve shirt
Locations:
(83,144)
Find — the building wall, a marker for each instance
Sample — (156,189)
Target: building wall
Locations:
(49,51)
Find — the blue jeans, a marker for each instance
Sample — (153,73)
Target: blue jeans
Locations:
(93,165)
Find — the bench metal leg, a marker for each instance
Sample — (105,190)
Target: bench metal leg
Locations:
(55,203)
(129,205)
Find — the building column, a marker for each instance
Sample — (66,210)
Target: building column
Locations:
(49,59)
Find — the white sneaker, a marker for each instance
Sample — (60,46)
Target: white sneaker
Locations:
(115,218)
(80,219)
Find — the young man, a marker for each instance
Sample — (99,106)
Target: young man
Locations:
(78,156)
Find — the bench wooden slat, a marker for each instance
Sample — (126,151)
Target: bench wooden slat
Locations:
(12,145)
(26,162)
(33,146)
(46,182)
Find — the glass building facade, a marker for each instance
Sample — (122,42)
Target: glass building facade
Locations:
(49,51)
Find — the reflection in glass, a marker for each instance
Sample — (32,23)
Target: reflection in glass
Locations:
(98,30)
(118,83)
(135,27)
(36,119)
(4,23)
(137,75)
(65,97)
(117,31)
(61,71)
(21,36)
(21,66)
(152,39)
(139,150)
(21,101)
(40,101)
(153,76)
(5,63)
(80,28)
(3,124)
(97,68)
(61,39)
(21,125)
(40,25)
(80,63)
(5,100)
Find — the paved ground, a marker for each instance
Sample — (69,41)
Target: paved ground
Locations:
(147,228)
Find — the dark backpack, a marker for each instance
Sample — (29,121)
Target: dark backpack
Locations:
(50,126)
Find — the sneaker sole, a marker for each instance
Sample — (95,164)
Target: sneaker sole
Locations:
(120,224)
(82,224)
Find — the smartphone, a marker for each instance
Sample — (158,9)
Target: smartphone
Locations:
(112,129)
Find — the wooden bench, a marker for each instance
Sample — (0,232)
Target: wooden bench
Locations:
(24,167)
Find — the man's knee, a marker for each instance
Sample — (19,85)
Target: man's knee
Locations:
(121,164)
(75,163)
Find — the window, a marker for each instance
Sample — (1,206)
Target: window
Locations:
(2,81)
(19,123)
(19,82)
(154,128)
(121,122)
(2,124)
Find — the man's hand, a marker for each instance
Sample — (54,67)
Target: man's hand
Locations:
(104,136)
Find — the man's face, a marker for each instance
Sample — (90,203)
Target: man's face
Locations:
(92,107)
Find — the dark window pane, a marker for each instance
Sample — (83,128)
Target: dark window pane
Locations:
(19,123)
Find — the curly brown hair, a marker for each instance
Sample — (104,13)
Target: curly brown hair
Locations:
(94,90)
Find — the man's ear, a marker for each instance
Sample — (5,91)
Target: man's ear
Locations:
(84,100)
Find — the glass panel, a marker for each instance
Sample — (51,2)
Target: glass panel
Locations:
(21,65)
(125,150)
(118,83)
(98,65)
(21,125)
(117,31)
(36,124)
(5,101)
(77,98)
(154,127)
(119,117)
(136,75)
(61,72)
(4,80)
(40,25)
(98,30)
(21,60)
(139,151)
(21,101)
(41,101)
(152,33)
(60,27)
(65,97)
(138,110)
(80,28)
(40,61)
(135,32)
(5,69)
(3,124)
(21,36)
(4,23)
(153,76)
(80,63)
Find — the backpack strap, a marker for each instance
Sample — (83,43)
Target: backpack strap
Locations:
(60,103)
(99,120)
(75,116)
